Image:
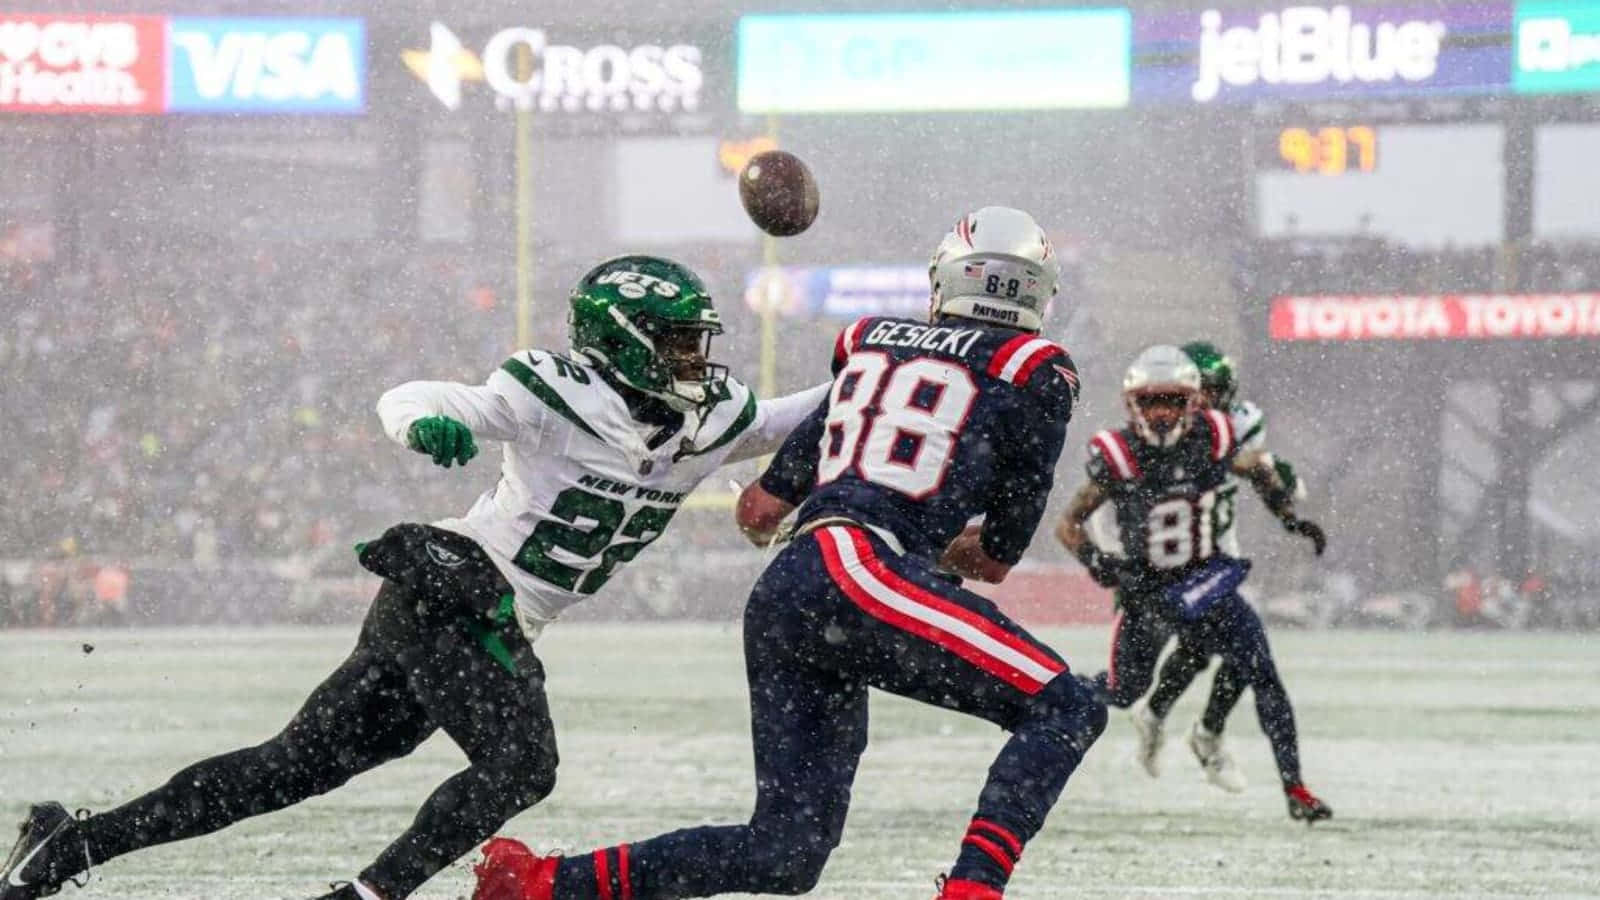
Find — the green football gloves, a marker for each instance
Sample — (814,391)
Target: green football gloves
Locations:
(443,438)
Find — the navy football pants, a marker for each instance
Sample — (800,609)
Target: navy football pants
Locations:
(1232,630)
(835,613)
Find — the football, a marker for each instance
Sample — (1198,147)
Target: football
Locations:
(779,193)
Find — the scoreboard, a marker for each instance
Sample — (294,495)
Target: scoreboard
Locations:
(1417,182)
(1321,149)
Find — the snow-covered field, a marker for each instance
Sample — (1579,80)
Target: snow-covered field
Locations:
(1458,765)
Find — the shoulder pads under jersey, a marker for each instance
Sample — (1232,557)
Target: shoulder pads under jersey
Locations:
(1249,424)
(1111,457)
(849,340)
(1218,429)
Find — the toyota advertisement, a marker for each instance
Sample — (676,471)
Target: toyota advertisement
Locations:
(1436,317)
(171,64)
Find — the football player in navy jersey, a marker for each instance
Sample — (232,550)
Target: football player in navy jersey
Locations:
(928,425)
(1163,473)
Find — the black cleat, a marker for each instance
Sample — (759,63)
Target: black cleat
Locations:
(1304,805)
(46,854)
(341,891)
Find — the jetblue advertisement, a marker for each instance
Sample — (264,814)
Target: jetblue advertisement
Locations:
(266,65)
(1316,52)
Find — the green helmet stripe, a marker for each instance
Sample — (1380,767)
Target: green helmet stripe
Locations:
(536,385)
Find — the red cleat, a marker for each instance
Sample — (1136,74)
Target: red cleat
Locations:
(1304,805)
(961,889)
(510,871)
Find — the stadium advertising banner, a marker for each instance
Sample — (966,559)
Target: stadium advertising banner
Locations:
(926,62)
(82,64)
(839,292)
(1557,46)
(266,65)
(158,64)
(1322,51)
(641,74)
(1437,317)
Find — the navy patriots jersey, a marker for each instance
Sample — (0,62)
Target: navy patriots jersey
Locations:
(928,426)
(1166,498)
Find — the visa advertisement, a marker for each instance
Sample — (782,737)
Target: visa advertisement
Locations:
(932,62)
(266,65)
(1322,51)
(103,64)
(1557,46)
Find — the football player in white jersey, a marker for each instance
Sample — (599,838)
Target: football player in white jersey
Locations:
(601,447)
(1219,387)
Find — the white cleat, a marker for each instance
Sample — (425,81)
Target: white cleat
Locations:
(1215,759)
(1148,727)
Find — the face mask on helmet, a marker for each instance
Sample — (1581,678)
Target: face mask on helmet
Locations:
(685,352)
(1162,392)
(995,267)
(1161,415)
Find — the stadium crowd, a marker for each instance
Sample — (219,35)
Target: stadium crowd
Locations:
(241,426)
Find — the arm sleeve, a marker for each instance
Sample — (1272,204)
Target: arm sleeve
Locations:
(1026,466)
(493,411)
(1249,426)
(793,471)
(775,419)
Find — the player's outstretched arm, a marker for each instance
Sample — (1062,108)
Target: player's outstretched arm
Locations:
(775,419)
(441,418)
(1260,469)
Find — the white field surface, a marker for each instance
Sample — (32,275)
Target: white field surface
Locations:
(1459,765)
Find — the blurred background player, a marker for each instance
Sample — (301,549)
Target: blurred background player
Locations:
(1219,388)
(1163,472)
(926,426)
(600,448)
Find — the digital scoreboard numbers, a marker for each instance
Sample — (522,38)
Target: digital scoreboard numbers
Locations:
(1321,150)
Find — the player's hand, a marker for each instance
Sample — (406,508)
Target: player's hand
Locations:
(443,438)
(1105,569)
(1308,530)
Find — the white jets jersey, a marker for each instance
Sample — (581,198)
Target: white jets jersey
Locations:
(584,487)
(1250,433)
(1249,429)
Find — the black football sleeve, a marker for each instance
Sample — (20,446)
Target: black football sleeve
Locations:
(1026,463)
(793,471)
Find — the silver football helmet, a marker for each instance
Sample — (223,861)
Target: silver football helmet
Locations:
(1165,372)
(995,266)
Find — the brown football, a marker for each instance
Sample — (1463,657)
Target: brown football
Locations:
(779,193)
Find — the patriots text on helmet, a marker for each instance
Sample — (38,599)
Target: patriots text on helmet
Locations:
(980,311)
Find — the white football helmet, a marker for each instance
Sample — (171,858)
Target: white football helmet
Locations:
(1161,370)
(995,266)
